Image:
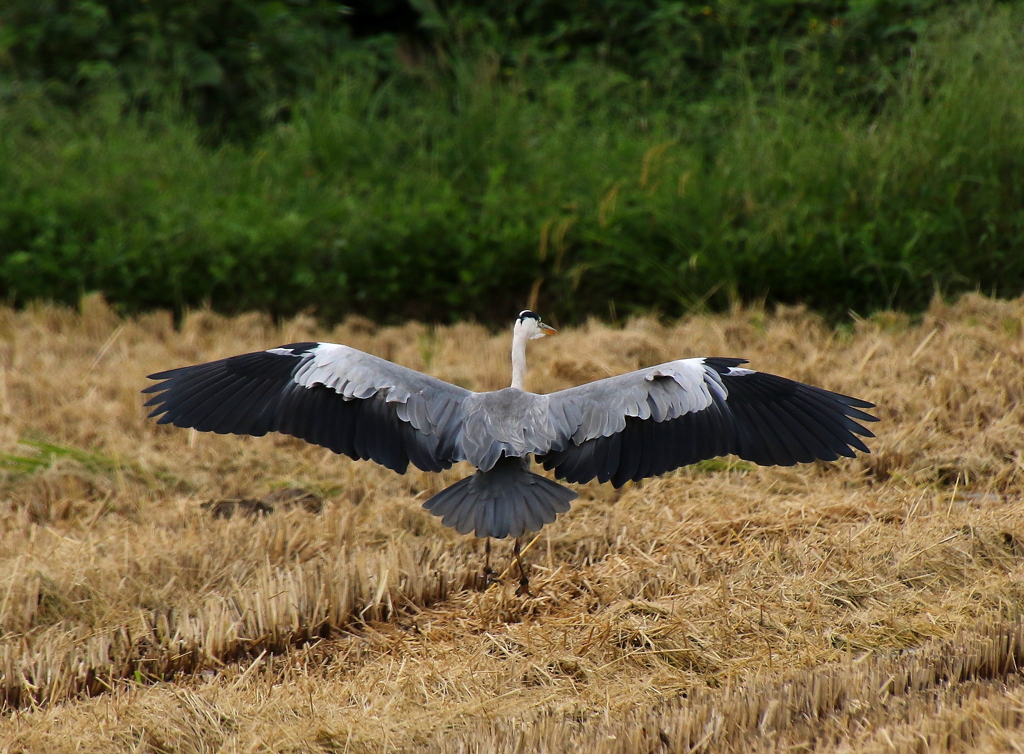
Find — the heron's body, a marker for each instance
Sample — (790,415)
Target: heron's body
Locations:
(623,428)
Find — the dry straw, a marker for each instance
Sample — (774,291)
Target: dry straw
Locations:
(869,605)
(947,697)
(276,609)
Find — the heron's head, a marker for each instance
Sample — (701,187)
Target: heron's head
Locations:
(530,324)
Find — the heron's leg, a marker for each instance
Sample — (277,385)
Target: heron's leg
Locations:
(524,582)
(487,563)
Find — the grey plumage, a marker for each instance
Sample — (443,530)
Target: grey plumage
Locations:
(623,428)
(506,501)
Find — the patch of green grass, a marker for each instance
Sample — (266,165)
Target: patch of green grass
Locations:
(713,465)
(45,454)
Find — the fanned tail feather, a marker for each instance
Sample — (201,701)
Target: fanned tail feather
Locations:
(506,501)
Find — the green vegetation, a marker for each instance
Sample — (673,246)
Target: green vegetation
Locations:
(45,454)
(845,155)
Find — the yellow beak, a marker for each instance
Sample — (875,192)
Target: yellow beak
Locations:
(547,329)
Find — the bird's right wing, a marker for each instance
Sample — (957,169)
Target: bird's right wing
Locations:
(647,422)
(328,394)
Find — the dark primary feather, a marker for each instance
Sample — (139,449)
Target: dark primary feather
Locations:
(255,393)
(766,419)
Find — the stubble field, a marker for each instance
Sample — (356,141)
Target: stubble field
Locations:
(867,605)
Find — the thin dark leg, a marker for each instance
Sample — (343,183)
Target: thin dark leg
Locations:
(524,582)
(487,563)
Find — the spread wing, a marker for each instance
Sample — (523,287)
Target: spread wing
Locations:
(647,422)
(327,394)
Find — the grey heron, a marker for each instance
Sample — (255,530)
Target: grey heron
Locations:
(629,427)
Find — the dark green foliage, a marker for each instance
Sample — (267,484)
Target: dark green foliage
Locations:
(684,46)
(236,63)
(409,184)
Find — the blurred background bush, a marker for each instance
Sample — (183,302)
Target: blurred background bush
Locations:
(411,158)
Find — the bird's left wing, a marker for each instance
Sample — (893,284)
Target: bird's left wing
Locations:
(647,422)
(328,394)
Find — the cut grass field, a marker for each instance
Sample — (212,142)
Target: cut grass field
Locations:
(867,605)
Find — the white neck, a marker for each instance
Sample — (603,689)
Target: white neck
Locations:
(519,338)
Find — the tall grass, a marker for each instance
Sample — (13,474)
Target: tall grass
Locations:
(456,192)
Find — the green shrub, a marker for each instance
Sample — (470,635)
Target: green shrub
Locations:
(236,64)
(452,191)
